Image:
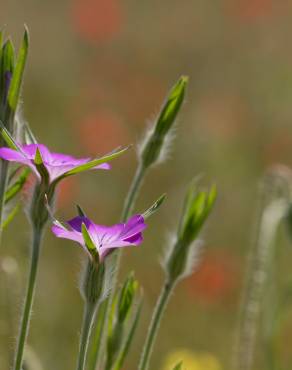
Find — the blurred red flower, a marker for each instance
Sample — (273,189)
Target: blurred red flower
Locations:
(101,132)
(248,10)
(277,147)
(216,279)
(27,190)
(67,191)
(97,20)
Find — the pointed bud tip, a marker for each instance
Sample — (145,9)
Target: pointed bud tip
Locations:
(26,36)
(184,79)
(80,211)
(38,159)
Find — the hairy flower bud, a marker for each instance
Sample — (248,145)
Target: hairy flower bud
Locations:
(155,142)
(93,282)
(180,259)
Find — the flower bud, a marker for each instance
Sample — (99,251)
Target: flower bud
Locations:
(126,297)
(11,76)
(6,70)
(41,200)
(180,259)
(93,282)
(123,305)
(155,143)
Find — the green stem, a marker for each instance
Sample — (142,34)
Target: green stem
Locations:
(102,316)
(88,317)
(97,336)
(3,186)
(37,236)
(133,192)
(259,269)
(154,325)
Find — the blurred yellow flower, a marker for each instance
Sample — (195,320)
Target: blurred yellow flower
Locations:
(191,360)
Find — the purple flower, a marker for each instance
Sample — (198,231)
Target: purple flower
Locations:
(56,164)
(104,238)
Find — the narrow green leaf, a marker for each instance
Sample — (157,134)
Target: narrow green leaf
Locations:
(13,174)
(88,241)
(38,161)
(28,135)
(11,216)
(7,57)
(11,143)
(1,40)
(128,340)
(95,162)
(151,210)
(54,220)
(15,188)
(15,86)
(80,211)
(6,68)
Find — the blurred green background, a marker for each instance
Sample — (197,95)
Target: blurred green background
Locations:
(98,71)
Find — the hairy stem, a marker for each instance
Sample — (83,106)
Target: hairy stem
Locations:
(88,317)
(133,192)
(103,313)
(24,326)
(94,356)
(154,325)
(259,269)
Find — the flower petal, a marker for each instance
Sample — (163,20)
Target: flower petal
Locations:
(11,155)
(30,151)
(15,156)
(60,232)
(104,166)
(133,226)
(76,223)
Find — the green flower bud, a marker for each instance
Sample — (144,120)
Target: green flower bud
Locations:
(11,76)
(181,256)
(122,308)
(126,297)
(38,210)
(93,282)
(6,70)
(155,143)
